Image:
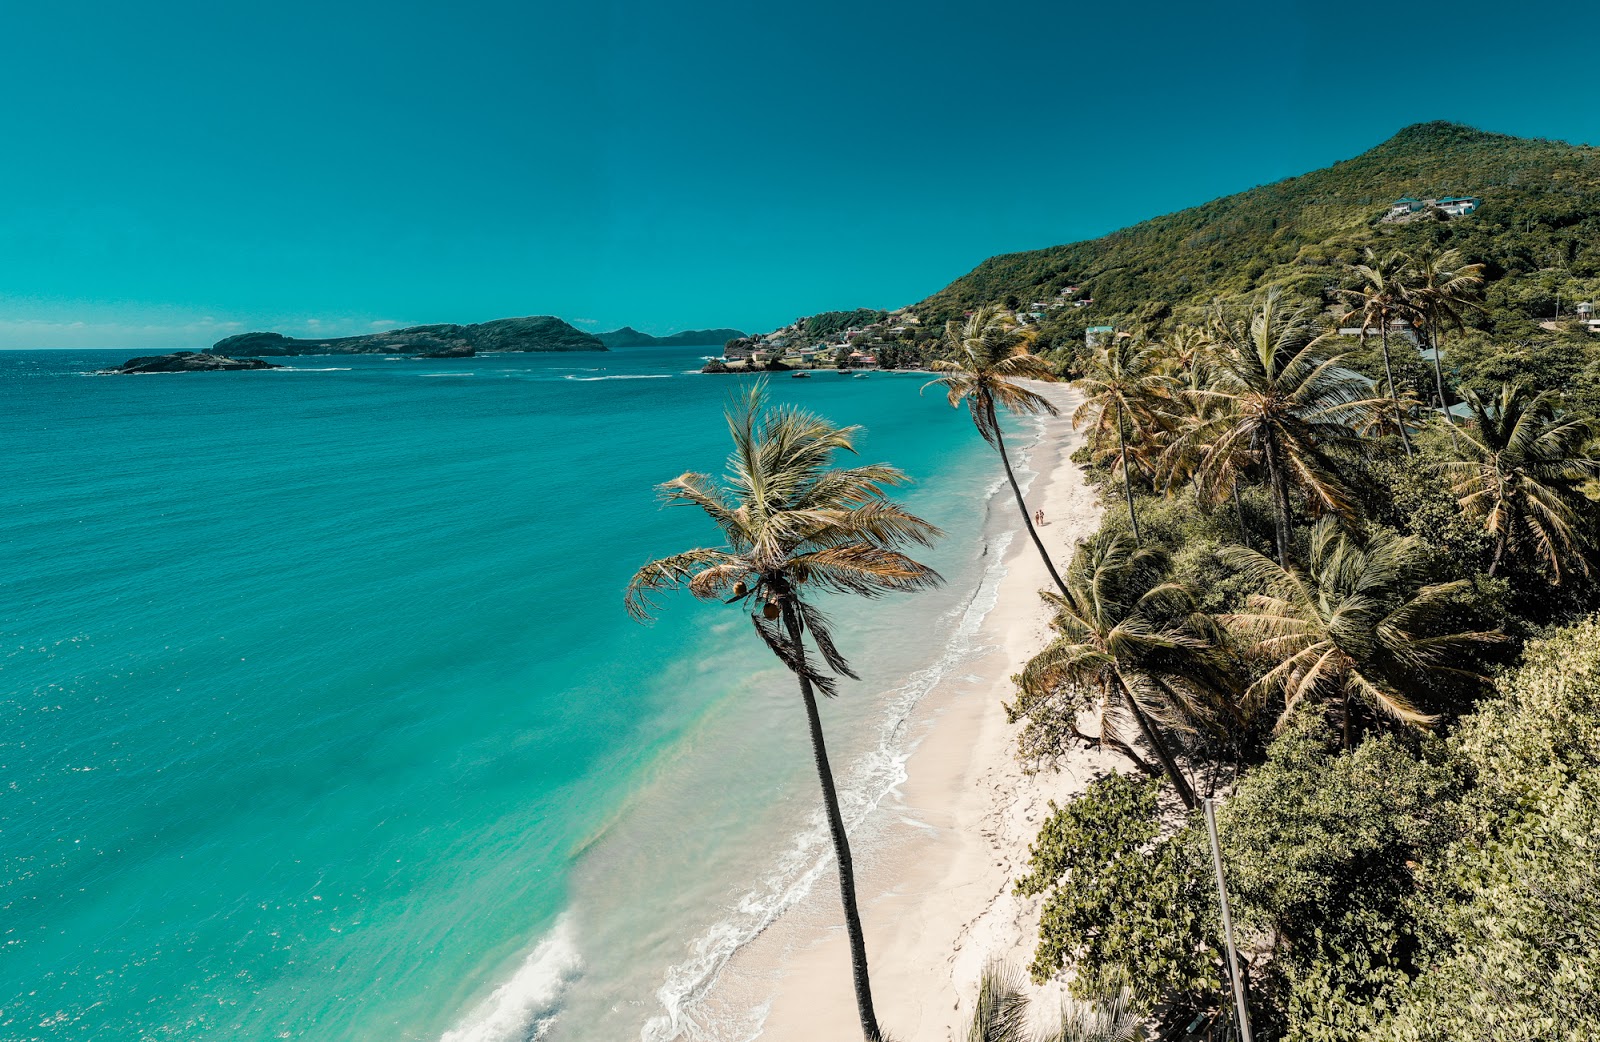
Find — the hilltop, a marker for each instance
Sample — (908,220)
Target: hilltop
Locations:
(1539,210)
(627,336)
(535,333)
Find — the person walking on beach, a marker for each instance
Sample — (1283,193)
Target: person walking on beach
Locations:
(1038,517)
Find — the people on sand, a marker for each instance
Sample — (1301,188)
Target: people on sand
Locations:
(1038,518)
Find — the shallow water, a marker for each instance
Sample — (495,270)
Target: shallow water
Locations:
(322,717)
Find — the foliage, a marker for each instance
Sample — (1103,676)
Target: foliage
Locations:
(1001,1014)
(1126,907)
(1510,928)
(826,323)
(1281,399)
(1358,629)
(1320,847)
(1125,649)
(1520,470)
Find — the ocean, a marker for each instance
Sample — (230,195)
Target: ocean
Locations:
(321,717)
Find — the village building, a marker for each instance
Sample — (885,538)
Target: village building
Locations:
(1397,328)
(1406,207)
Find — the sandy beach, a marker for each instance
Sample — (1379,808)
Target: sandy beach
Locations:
(935,865)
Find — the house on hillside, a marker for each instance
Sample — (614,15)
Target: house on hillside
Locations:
(1406,208)
(1398,328)
(1098,336)
(1458,205)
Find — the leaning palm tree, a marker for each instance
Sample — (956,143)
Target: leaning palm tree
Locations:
(989,355)
(1118,651)
(1283,400)
(792,525)
(1443,288)
(1382,295)
(1520,470)
(1351,628)
(1124,385)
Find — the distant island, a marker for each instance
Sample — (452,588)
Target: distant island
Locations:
(627,336)
(188,362)
(535,333)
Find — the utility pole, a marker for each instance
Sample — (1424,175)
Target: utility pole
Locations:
(1227,923)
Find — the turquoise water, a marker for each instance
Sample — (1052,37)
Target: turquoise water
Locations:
(321,717)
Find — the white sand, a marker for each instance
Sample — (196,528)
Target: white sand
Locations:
(935,871)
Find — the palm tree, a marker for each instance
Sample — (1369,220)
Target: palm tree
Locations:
(1444,288)
(791,525)
(1001,1014)
(1281,401)
(1349,627)
(989,356)
(1194,418)
(1122,385)
(1519,473)
(1119,651)
(1383,296)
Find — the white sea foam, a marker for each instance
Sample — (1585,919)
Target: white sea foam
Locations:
(623,376)
(525,1007)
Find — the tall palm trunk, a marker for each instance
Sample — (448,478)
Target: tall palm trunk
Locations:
(1388,374)
(1438,380)
(1127,482)
(1280,499)
(841,841)
(1158,746)
(1499,552)
(1439,375)
(1238,512)
(1027,520)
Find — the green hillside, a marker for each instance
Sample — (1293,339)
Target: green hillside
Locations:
(1538,226)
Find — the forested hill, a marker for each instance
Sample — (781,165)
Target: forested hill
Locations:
(534,333)
(1539,212)
(627,336)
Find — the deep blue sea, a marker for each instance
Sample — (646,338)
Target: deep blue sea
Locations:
(321,717)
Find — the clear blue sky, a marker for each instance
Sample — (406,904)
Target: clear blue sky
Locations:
(175,172)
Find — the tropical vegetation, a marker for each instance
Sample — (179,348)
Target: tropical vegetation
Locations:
(1346,597)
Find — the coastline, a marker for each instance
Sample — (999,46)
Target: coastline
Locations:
(936,860)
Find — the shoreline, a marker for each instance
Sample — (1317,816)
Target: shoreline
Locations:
(936,860)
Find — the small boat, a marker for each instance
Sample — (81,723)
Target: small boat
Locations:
(862,376)
(799,376)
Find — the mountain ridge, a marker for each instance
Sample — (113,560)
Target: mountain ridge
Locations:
(1289,231)
(627,336)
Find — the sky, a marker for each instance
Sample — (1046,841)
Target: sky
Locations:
(173,173)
